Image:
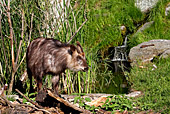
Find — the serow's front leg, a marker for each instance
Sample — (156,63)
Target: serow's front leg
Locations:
(55,82)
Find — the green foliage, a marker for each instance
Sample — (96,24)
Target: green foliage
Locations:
(81,101)
(16,7)
(31,96)
(118,102)
(154,84)
(101,31)
(112,103)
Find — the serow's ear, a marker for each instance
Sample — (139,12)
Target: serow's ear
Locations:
(79,47)
(72,49)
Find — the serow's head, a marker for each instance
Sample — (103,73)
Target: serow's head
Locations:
(77,61)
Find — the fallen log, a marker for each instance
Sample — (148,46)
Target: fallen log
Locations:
(47,98)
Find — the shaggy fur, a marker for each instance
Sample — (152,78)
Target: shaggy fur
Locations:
(50,56)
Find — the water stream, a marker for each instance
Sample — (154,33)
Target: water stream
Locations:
(120,56)
(118,63)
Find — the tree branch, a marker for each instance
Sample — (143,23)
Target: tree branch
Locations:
(12,48)
(76,31)
(32,16)
(81,24)
(11,34)
(22,35)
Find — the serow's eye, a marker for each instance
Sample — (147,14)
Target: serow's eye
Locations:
(79,60)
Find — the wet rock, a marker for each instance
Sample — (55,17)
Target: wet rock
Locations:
(143,27)
(146,51)
(145,5)
(134,94)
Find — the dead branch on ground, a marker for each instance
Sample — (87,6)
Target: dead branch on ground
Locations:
(16,105)
(28,99)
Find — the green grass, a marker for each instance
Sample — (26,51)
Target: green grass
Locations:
(104,21)
(102,31)
(158,30)
(155,85)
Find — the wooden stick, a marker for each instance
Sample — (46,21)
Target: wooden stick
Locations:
(36,104)
(76,32)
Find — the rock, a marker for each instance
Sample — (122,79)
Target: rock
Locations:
(143,27)
(167,9)
(134,94)
(146,51)
(166,54)
(145,5)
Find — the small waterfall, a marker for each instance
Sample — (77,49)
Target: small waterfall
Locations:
(120,52)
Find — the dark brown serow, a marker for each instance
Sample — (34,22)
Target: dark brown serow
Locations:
(50,56)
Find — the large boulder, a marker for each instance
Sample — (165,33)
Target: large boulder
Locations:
(145,5)
(146,51)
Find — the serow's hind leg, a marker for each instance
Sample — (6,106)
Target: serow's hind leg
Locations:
(39,83)
(30,78)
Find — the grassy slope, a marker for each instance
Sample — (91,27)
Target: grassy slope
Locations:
(155,84)
(105,17)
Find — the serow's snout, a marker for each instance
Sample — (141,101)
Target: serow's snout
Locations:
(85,69)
